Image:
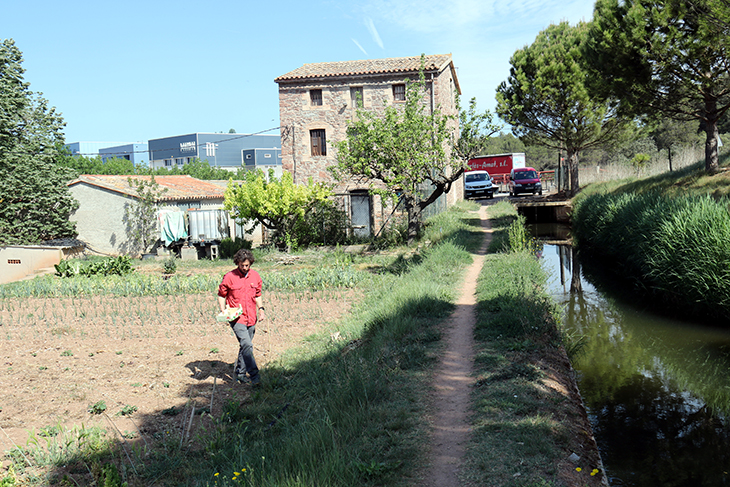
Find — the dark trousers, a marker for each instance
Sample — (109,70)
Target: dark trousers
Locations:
(245,362)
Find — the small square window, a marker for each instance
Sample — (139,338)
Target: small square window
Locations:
(356,96)
(319,142)
(399,92)
(316,97)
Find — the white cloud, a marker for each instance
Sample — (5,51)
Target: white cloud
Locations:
(361,48)
(373,32)
(428,16)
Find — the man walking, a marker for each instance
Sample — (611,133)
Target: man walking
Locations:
(241,287)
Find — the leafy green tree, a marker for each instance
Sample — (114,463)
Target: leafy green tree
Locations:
(402,151)
(277,204)
(503,143)
(200,170)
(80,164)
(475,131)
(121,167)
(140,215)
(549,97)
(35,203)
(668,57)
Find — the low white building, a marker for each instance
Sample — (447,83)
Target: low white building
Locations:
(100,218)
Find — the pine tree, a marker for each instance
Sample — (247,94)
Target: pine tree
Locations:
(666,58)
(35,203)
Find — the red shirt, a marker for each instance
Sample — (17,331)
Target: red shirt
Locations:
(242,290)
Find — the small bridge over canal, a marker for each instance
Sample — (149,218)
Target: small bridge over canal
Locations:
(544,210)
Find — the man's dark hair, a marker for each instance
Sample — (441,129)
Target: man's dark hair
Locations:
(243,254)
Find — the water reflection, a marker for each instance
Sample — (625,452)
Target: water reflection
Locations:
(657,390)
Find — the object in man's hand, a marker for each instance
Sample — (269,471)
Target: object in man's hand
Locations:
(229,314)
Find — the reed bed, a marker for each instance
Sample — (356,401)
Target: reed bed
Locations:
(672,249)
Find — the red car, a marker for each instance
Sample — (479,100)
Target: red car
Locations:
(524,180)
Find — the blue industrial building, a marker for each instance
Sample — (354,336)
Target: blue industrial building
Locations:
(227,151)
(137,153)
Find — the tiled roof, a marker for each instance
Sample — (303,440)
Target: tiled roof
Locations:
(366,67)
(178,187)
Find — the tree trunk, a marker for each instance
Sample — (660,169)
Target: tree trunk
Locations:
(711,158)
(572,164)
(414,219)
(576,285)
(669,151)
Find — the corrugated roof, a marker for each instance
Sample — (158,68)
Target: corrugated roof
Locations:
(366,67)
(178,187)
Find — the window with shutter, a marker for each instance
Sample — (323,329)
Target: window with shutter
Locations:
(319,142)
(399,92)
(316,97)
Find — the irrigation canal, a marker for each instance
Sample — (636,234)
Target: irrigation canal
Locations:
(657,390)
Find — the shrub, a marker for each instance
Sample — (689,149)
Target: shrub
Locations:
(324,224)
(169,266)
(392,235)
(519,238)
(119,266)
(228,247)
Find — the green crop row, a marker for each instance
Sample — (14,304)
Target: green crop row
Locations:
(139,284)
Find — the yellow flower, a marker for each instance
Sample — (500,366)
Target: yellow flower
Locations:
(594,472)
(578,469)
(216,474)
(236,473)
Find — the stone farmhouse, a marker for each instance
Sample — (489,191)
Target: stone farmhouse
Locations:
(317,100)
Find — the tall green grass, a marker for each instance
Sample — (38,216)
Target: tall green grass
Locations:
(460,225)
(520,434)
(674,250)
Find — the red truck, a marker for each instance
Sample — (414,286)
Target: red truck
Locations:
(498,166)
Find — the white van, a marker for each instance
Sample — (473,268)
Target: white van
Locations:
(479,183)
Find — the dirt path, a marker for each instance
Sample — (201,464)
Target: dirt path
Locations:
(454,380)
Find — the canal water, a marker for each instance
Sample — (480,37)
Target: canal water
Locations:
(657,390)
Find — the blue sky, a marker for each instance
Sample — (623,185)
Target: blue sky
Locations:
(132,71)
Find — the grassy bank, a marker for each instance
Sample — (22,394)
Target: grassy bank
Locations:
(669,237)
(345,408)
(525,423)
